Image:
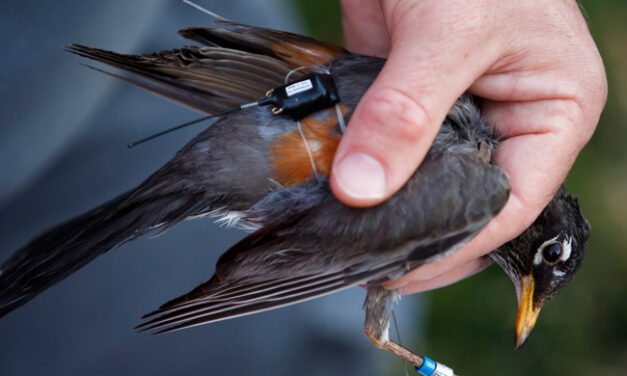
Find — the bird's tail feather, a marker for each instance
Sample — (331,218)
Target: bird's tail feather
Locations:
(65,248)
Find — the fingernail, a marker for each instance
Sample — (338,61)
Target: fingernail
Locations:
(361,176)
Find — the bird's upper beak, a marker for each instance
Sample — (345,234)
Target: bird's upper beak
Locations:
(527,312)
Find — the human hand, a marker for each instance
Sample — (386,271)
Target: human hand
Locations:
(542,80)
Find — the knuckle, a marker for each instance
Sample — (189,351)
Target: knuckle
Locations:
(593,82)
(400,115)
(600,77)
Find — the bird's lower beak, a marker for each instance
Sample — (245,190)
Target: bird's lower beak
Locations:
(527,313)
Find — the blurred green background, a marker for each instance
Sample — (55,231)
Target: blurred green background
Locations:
(470,325)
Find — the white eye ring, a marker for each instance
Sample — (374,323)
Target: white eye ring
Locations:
(566,249)
(537,259)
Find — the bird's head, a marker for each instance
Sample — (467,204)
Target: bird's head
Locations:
(543,259)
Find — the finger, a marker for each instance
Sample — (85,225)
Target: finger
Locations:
(461,272)
(397,119)
(542,140)
(364,28)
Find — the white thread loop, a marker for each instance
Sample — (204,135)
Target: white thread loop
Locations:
(340,117)
(287,76)
(309,153)
(338,111)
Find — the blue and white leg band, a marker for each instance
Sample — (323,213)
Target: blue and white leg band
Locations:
(432,368)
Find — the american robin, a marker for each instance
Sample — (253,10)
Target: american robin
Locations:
(269,171)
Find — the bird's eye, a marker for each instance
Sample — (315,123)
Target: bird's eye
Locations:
(552,252)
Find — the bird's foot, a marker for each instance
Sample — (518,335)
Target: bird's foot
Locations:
(423,365)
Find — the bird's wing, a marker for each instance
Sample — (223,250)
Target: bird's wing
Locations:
(230,294)
(209,79)
(329,246)
(239,65)
(296,50)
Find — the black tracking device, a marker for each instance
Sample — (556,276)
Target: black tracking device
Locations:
(298,99)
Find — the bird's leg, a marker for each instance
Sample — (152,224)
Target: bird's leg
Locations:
(377,324)
(377,327)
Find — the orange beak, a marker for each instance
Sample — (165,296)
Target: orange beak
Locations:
(527,313)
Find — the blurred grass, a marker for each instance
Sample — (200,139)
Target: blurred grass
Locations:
(322,18)
(584,331)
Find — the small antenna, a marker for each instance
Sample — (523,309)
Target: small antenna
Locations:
(166,131)
(204,10)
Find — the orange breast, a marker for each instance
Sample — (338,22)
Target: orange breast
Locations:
(290,160)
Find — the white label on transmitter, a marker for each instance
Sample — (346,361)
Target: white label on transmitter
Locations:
(298,87)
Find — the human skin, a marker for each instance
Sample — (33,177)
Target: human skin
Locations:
(543,85)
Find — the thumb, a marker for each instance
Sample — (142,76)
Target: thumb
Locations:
(399,116)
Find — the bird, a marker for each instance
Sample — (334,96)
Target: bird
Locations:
(269,172)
